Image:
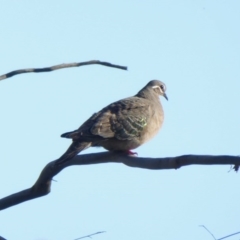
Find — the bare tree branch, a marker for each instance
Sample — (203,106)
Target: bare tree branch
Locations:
(43,184)
(88,236)
(60,66)
(219,238)
(229,236)
(208,231)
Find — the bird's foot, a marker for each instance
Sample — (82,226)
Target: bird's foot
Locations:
(129,152)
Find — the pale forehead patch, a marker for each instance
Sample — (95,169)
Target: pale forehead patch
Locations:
(155,86)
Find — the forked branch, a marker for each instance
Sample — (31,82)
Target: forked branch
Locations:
(43,184)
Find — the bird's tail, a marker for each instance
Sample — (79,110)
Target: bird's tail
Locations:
(72,151)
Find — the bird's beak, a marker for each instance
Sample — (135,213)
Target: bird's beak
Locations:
(165,95)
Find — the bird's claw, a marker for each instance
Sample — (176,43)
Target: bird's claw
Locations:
(129,152)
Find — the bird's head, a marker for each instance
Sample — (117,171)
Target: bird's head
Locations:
(155,87)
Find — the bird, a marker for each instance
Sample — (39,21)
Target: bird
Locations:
(122,125)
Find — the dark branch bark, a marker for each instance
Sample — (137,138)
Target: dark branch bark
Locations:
(43,184)
(60,66)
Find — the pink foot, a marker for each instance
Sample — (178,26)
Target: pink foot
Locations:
(129,152)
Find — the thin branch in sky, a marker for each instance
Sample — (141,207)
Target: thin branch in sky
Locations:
(208,231)
(229,236)
(90,236)
(222,237)
(60,66)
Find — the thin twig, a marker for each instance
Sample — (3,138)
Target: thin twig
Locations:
(60,66)
(229,236)
(222,237)
(208,231)
(89,236)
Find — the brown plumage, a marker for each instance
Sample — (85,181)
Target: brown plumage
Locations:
(121,126)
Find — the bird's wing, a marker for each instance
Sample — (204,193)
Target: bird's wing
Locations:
(123,120)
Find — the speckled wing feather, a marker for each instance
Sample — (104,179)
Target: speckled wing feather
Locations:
(128,124)
(123,120)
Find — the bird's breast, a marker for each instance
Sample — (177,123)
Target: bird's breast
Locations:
(154,123)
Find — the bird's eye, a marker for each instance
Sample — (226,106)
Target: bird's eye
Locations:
(162,88)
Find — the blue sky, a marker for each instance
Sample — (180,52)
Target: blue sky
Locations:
(192,46)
